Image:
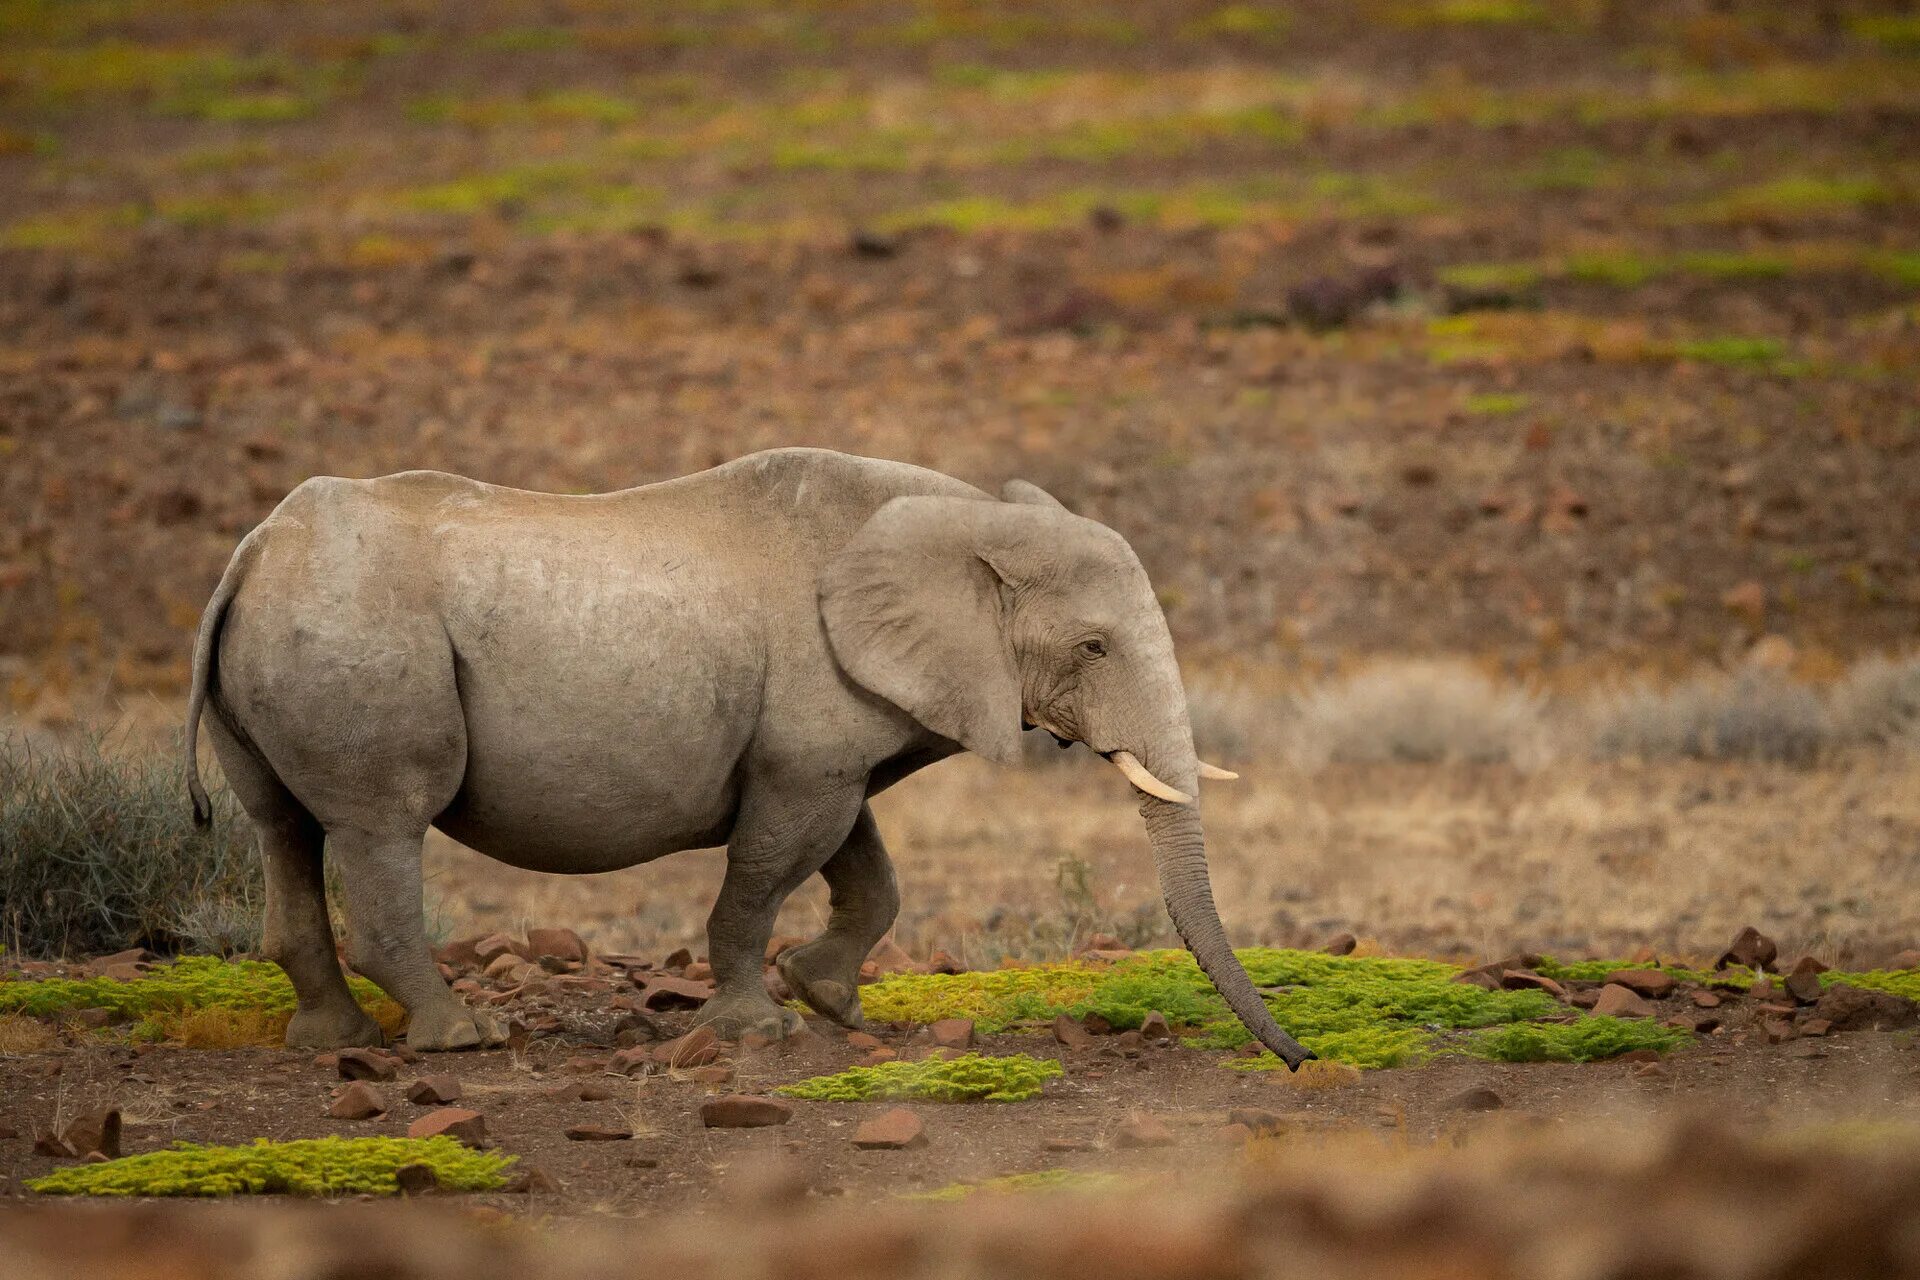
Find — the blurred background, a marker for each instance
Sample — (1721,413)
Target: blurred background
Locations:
(1514,403)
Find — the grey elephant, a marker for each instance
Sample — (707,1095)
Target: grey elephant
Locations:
(744,656)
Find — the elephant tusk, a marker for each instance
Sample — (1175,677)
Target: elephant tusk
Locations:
(1214,773)
(1137,774)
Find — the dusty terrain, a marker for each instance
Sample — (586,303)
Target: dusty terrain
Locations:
(1577,341)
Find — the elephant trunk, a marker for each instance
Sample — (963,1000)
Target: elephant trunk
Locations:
(1180,855)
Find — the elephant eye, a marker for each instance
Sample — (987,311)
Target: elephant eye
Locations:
(1092,649)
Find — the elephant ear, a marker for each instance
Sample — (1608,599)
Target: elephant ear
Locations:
(913,610)
(1032,494)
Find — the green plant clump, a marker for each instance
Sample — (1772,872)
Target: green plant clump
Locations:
(331,1166)
(193,982)
(972,1077)
(1588,1040)
(1018,1183)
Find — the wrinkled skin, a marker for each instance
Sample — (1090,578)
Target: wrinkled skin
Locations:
(738,657)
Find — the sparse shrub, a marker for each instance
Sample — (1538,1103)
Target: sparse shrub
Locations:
(98,853)
(971,1077)
(1233,721)
(1418,712)
(331,1166)
(1753,715)
(1877,702)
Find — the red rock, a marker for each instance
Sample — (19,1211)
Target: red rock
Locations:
(1066,1144)
(598,1133)
(7,1132)
(695,1049)
(528,1179)
(893,1130)
(744,1111)
(495,945)
(1486,977)
(1637,1055)
(506,967)
(875,1057)
(461,953)
(1103,942)
(952,1033)
(1154,1028)
(1849,1008)
(680,959)
(1747,599)
(1803,983)
(863,1041)
(1651,983)
(469,1127)
(558,944)
(1617,1001)
(633,1061)
(1141,1129)
(1908,959)
(1096,1025)
(1815,1027)
(97,1132)
(1750,949)
(434,1091)
(1706,1000)
(714,1075)
(943,962)
(357,1101)
(1107,957)
(665,991)
(1340,944)
(1069,1032)
(416,1179)
(1527,979)
(367,1064)
(889,956)
(593,1091)
(1651,1071)
(782,942)
(698,971)
(1778,1030)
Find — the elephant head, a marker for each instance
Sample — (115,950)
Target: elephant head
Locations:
(982,618)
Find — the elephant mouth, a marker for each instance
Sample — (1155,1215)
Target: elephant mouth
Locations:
(1064,743)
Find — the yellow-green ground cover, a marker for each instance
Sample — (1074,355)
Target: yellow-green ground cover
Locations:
(971,1077)
(331,1166)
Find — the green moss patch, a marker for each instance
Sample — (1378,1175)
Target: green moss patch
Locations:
(1586,1040)
(1018,1183)
(1366,1011)
(190,983)
(971,1077)
(313,1167)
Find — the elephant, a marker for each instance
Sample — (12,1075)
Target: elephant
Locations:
(743,657)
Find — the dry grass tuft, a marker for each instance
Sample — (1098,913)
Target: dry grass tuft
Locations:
(21,1034)
(1319,1074)
(221,1028)
(1418,713)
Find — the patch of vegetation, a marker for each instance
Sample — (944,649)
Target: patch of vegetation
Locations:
(255,993)
(1753,352)
(1794,196)
(1366,1011)
(559,106)
(1019,1183)
(1899,32)
(1471,13)
(1240,21)
(1589,1039)
(331,1166)
(99,853)
(1497,404)
(1369,1048)
(971,1077)
(199,82)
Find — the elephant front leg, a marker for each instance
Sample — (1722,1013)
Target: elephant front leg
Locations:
(865,899)
(778,842)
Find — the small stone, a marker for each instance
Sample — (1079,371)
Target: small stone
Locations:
(357,1101)
(680,959)
(1778,1030)
(1142,1129)
(1617,1001)
(697,1048)
(1748,599)
(556,944)
(713,1075)
(1257,1119)
(529,1179)
(1066,1144)
(698,971)
(1706,1000)
(1096,1025)
(493,946)
(506,967)
(1651,1071)
(1750,949)
(944,962)
(598,1133)
(434,1091)
(1849,1008)
(367,1064)
(96,1133)
(864,1041)
(1069,1031)
(889,956)
(952,1033)
(1478,1098)
(469,1127)
(662,991)
(415,1179)
(594,1092)
(877,1056)
(1815,1027)
(744,1111)
(895,1130)
(1340,944)
(1651,983)
(1154,1028)
(1528,980)
(1803,982)
(1908,959)
(462,953)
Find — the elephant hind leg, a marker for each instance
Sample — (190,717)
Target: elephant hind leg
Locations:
(297,935)
(387,937)
(865,899)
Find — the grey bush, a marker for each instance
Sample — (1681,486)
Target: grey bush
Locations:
(1877,703)
(1754,714)
(98,853)
(1418,712)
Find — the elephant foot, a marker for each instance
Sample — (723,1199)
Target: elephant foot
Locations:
(732,1015)
(825,981)
(451,1026)
(347,1027)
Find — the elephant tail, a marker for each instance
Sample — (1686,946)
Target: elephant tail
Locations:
(206,647)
